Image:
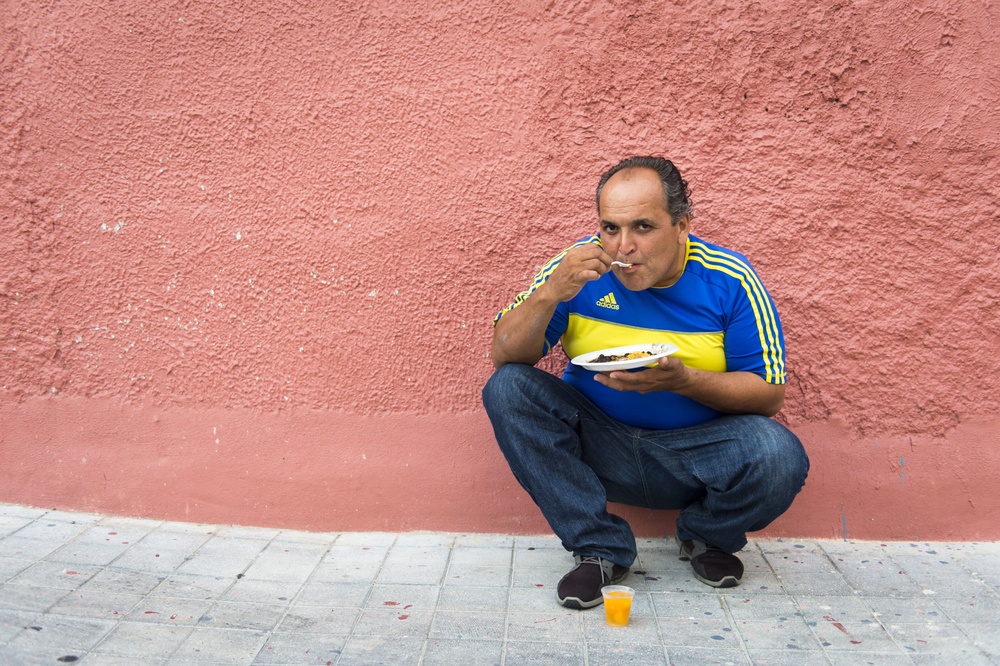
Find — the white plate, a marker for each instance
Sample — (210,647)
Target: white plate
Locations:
(658,350)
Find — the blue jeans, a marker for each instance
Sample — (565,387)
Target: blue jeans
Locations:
(729,476)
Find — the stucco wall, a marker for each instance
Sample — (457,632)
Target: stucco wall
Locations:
(253,249)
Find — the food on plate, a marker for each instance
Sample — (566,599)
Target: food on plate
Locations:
(614,358)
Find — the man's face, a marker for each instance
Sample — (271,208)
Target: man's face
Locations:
(636,228)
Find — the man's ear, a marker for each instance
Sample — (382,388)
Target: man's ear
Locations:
(683,228)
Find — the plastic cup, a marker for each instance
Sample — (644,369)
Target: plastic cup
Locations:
(617,604)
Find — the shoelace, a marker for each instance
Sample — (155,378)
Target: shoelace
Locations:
(592,559)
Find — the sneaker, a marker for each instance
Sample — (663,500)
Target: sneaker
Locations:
(581,587)
(712,566)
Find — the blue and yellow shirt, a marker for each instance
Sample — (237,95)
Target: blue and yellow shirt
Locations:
(718,314)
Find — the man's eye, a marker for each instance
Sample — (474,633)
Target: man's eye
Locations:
(609,229)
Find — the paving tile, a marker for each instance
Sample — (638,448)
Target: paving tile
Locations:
(937,638)
(686,656)
(483,556)
(381,651)
(11,524)
(165,610)
(14,622)
(97,659)
(61,575)
(49,529)
(815,583)
(962,586)
(12,566)
(614,654)
(250,590)
(403,597)
(894,610)
(712,632)
(29,598)
(88,553)
(482,625)
(341,553)
(401,622)
(242,532)
(220,646)
(424,540)
(501,541)
(142,641)
(223,557)
(71,517)
(61,634)
(151,559)
(986,636)
(193,586)
(788,635)
(110,580)
(762,608)
(317,619)
(343,595)
(868,659)
(345,571)
(448,652)
(414,565)
(365,539)
(791,657)
(683,605)
(287,563)
(970,659)
(168,539)
(538,577)
(558,624)
(283,647)
(238,615)
(531,599)
(980,608)
(551,654)
(456,597)
(31,549)
(81,603)
(488,576)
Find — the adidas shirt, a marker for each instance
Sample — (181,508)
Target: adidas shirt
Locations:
(718,314)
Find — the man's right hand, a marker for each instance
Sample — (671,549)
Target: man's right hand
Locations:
(519,336)
(580,265)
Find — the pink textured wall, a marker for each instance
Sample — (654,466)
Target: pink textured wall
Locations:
(253,249)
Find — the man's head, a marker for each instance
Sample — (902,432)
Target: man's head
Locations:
(675,188)
(644,221)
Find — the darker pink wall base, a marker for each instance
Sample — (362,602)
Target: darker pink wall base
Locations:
(329,471)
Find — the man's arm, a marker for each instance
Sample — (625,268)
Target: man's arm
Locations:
(728,392)
(519,335)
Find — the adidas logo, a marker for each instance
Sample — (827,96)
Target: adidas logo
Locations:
(608,301)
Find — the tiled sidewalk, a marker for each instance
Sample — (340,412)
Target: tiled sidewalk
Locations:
(77,588)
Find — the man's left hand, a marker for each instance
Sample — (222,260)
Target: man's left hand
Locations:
(669,374)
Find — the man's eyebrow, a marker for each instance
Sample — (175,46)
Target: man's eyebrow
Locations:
(640,220)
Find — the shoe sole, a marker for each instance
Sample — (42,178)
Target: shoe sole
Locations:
(576,604)
(728,581)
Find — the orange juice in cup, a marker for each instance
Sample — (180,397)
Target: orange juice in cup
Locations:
(617,604)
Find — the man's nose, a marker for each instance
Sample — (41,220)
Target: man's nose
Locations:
(626,244)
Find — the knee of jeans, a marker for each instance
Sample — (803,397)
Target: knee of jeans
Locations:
(504,384)
(781,451)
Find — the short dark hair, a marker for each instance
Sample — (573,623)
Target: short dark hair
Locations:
(675,189)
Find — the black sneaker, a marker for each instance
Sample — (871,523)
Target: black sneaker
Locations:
(711,565)
(581,587)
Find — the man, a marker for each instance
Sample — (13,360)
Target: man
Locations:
(692,433)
